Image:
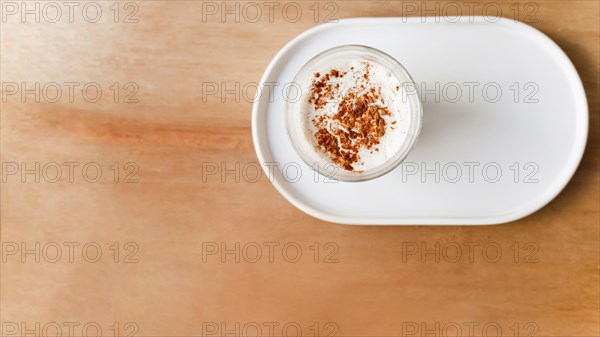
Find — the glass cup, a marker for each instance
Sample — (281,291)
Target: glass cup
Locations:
(296,114)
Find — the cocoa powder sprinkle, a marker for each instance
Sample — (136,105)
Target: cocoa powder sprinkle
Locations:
(359,121)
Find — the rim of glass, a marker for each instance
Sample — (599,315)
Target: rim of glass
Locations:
(414,129)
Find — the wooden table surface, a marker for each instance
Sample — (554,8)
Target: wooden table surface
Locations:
(148,247)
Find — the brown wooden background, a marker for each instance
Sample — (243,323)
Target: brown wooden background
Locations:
(373,289)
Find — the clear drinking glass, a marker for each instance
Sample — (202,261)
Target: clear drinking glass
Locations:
(296,116)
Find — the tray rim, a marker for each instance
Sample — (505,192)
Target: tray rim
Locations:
(554,189)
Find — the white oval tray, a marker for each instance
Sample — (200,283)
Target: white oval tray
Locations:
(543,132)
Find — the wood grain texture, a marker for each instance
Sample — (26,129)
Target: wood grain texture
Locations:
(374,289)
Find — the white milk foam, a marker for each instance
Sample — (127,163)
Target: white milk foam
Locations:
(395,100)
